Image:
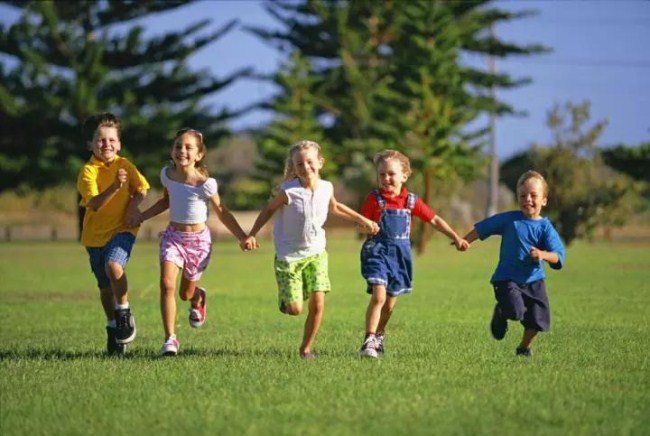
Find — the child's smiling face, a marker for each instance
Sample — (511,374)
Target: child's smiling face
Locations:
(307,164)
(531,198)
(106,143)
(391,176)
(186,151)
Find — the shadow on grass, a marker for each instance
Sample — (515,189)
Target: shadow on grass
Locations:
(141,354)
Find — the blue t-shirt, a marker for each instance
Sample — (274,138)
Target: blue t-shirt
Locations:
(518,235)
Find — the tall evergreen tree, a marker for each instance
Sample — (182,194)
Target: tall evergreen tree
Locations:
(66,60)
(394,78)
(295,107)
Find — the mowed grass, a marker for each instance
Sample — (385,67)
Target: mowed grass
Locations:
(240,374)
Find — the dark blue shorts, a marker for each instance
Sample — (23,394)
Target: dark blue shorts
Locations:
(527,303)
(118,249)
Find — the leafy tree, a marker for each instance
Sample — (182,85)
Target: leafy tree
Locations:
(67,60)
(393,79)
(584,192)
(295,109)
(633,161)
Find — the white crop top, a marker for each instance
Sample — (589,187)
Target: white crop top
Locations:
(188,204)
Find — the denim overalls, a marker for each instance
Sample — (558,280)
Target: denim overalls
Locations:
(386,256)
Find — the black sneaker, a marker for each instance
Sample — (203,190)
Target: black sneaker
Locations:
(125,330)
(523,351)
(499,324)
(112,347)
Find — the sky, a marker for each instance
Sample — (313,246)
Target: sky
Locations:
(600,54)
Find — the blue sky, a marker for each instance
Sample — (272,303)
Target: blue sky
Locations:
(600,54)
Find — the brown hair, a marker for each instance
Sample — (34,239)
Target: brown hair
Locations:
(386,155)
(199,165)
(102,119)
(289,169)
(531,174)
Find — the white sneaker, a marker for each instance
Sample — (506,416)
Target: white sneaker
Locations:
(170,347)
(369,348)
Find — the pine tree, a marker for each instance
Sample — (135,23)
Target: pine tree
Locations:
(69,60)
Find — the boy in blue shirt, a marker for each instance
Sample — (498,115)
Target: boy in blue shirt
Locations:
(527,239)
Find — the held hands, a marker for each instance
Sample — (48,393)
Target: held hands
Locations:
(461,244)
(370,227)
(248,243)
(133,217)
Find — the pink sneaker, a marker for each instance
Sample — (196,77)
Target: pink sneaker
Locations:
(197,316)
(170,347)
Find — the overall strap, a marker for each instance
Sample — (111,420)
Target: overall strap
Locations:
(410,201)
(380,199)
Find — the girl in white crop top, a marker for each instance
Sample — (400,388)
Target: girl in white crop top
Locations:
(303,202)
(186,243)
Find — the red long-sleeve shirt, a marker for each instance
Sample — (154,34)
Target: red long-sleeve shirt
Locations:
(372,211)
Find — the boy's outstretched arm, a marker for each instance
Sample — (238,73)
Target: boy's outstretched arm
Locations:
(471,236)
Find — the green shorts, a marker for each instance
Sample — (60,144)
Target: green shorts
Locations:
(299,278)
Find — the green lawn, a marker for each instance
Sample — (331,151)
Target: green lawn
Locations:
(240,374)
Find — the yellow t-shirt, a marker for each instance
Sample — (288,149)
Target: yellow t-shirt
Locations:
(94,178)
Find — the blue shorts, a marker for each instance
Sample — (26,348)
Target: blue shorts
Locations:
(118,249)
(527,303)
(389,264)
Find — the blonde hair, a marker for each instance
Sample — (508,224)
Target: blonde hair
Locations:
(531,174)
(387,155)
(199,165)
(289,168)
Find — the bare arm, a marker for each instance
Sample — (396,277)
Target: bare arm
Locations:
(264,216)
(132,217)
(441,225)
(471,236)
(157,208)
(99,200)
(227,218)
(551,257)
(340,209)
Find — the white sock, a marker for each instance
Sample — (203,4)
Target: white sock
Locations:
(122,306)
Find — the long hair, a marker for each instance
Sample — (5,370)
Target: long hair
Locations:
(289,168)
(199,165)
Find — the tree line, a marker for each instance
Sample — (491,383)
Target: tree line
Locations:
(357,77)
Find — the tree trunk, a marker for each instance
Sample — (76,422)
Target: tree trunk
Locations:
(424,227)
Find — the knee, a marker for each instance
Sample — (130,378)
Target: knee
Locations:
(114,270)
(292,309)
(167,286)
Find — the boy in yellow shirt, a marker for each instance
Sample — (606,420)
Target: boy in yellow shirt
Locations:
(111,189)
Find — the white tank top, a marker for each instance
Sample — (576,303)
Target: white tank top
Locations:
(188,204)
(298,226)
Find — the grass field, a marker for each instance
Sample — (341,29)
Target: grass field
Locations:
(240,375)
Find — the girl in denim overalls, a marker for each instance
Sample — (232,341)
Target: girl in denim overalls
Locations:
(386,262)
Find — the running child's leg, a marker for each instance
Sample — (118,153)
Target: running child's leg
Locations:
(312,323)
